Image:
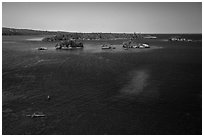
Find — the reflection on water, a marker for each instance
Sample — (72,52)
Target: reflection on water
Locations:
(8,42)
(97,48)
(35,39)
(139,87)
(88,48)
(137,83)
(166,40)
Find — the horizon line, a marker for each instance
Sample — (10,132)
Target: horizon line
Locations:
(103,32)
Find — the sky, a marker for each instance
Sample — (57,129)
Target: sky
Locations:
(147,17)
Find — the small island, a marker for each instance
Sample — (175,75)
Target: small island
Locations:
(69,44)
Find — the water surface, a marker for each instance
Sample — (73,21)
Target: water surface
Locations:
(95,91)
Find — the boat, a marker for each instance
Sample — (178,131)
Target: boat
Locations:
(177,38)
(141,47)
(146,45)
(36,114)
(42,48)
(135,46)
(105,46)
(68,48)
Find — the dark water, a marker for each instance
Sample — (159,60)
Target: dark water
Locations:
(94,91)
